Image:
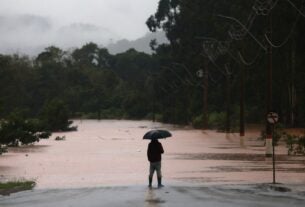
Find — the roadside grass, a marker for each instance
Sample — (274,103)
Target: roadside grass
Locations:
(6,188)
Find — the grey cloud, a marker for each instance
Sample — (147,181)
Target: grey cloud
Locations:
(23,33)
(25,22)
(90,30)
(80,27)
(27,26)
(77,34)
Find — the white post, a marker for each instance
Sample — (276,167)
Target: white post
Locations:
(269,146)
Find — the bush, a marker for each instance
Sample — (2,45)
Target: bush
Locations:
(3,149)
(295,144)
(15,186)
(217,120)
(197,122)
(158,117)
(55,116)
(16,128)
(112,113)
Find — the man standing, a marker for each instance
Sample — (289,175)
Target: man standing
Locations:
(154,152)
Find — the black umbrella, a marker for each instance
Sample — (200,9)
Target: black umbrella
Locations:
(157,134)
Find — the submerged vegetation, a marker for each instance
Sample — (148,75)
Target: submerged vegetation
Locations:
(295,144)
(17,128)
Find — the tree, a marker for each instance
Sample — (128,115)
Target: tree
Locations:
(51,55)
(232,33)
(87,56)
(16,78)
(55,116)
(16,128)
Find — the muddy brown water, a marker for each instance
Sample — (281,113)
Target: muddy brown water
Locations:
(111,152)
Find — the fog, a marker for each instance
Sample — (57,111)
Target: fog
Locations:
(31,25)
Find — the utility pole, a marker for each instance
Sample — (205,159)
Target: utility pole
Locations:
(228,104)
(241,109)
(205,79)
(269,91)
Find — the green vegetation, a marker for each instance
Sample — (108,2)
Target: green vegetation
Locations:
(19,129)
(295,144)
(55,116)
(209,40)
(212,72)
(15,186)
(87,82)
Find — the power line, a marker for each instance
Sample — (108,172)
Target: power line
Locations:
(296,8)
(248,63)
(245,29)
(264,7)
(286,39)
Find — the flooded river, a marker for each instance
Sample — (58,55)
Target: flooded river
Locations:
(113,153)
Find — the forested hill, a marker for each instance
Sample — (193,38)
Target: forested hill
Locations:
(140,44)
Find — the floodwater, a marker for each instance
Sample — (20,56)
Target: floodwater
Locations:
(113,153)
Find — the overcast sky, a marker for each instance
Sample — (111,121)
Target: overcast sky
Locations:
(27,26)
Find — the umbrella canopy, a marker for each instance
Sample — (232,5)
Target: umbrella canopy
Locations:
(157,134)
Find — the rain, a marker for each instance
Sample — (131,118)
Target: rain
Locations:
(152,103)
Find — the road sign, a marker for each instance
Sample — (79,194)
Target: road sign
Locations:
(272,117)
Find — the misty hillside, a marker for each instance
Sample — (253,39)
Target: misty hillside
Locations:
(141,44)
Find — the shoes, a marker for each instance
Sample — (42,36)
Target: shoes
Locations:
(160,183)
(150,182)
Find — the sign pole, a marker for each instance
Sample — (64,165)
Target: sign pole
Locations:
(273,153)
(272,119)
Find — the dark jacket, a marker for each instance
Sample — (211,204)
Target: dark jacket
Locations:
(154,151)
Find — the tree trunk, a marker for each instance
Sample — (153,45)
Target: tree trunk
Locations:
(241,102)
(292,92)
(205,94)
(228,101)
